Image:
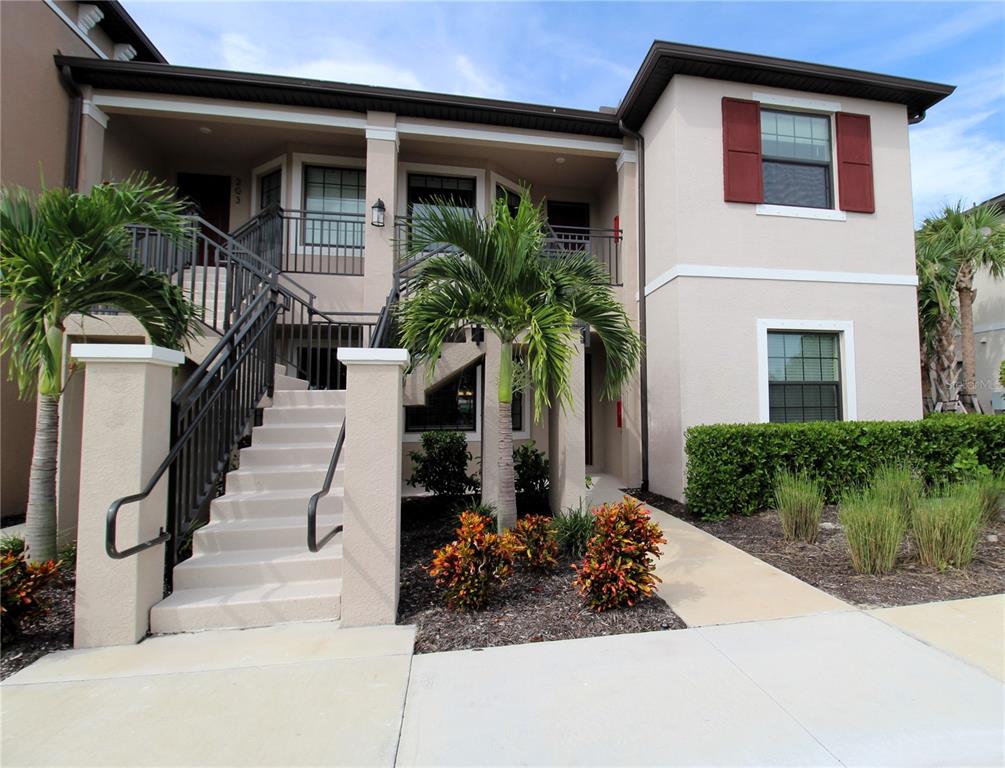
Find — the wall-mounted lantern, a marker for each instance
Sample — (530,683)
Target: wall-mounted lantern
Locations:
(377,213)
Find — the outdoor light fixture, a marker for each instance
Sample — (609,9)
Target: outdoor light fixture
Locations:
(377,213)
(477,334)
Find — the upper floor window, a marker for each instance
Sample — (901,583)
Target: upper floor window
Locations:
(425,191)
(269,189)
(334,206)
(796,157)
(804,376)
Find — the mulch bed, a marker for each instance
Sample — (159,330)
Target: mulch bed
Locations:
(45,632)
(528,608)
(827,565)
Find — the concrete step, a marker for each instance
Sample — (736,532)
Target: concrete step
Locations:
(283,382)
(296,398)
(190,610)
(286,503)
(295,434)
(265,533)
(318,414)
(286,455)
(249,567)
(307,478)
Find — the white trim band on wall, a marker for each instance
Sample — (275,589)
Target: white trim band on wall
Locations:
(793,275)
(846,329)
(126,353)
(612,147)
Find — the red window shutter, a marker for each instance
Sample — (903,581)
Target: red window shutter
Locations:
(854,156)
(741,151)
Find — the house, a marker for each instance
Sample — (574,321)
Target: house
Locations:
(989,334)
(753,214)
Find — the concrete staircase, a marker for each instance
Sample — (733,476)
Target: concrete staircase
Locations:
(250,565)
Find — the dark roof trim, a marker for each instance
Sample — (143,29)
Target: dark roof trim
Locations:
(121,27)
(665,60)
(242,86)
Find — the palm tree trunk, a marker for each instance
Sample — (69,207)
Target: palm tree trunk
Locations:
(506,512)
(968,392)
(40,528)
(945,363)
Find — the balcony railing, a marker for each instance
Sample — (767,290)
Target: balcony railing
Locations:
(603,244)
(307,241)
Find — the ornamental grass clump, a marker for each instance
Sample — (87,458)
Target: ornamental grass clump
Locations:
(991,489)
(618,569)
(533,543)
(874,530)
(574,528)
(800,501)
(946,527)
(897,487)
(474,564)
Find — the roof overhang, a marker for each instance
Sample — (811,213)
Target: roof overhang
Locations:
(665,60)
(270,89)
(122,28)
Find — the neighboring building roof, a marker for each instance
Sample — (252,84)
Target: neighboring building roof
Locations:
(121,27)
(663,61)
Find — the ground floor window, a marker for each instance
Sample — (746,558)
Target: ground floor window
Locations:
(804,376)
(453,406)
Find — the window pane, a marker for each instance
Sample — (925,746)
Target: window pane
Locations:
(787,135)
(449,407)
(803,372)
(794,184)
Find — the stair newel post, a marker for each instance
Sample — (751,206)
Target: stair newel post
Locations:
(371,534)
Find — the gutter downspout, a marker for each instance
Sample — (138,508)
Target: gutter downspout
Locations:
(72,172)
(643,364)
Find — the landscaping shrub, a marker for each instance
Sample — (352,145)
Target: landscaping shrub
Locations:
(573,530)
(874,530)
(992,492)
(441,467)
(731,467)
(799,501)
(946,528)
(531,469)
(967,466)
(617,569)
(898,487)
(533,543)
(472,565)
(20,583)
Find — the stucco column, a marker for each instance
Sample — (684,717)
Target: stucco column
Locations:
(126,434)
(631,402)
(567,442)
(381,184)
(490,419)
(371,534)
(93,123)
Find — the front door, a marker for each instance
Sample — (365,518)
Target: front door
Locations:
(209,197)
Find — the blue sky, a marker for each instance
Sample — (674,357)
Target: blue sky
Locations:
(585,55)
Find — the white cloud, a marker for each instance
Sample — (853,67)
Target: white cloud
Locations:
(353,64)
(474,82)
(958,152)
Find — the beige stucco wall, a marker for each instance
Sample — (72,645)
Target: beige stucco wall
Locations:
(989,335)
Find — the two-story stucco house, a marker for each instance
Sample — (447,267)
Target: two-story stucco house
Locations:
(754,215)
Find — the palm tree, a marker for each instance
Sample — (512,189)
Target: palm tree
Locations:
(498,274)
(61,253)
(975,239)
(937,318)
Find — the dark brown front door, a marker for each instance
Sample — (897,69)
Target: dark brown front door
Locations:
(209,197)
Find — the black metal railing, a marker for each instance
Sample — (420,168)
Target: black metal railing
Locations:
(603,244)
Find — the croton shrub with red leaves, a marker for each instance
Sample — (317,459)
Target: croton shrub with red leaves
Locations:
(474,564)
(619,567)
(20,583)
(533,543)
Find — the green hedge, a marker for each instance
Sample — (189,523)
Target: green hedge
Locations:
(730,466)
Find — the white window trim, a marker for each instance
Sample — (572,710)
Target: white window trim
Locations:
(476,436)
(796,102)
(261,170)
(439,170)
(502,181)
(798,212)
(846,331)
(300,159)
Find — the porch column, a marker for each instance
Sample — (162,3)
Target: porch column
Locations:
(371,508)
(567,441)
(93,123)
(381,184)
(490,420)
(631,393)
(126,434)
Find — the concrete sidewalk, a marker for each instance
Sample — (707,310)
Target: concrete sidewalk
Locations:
(838,689)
